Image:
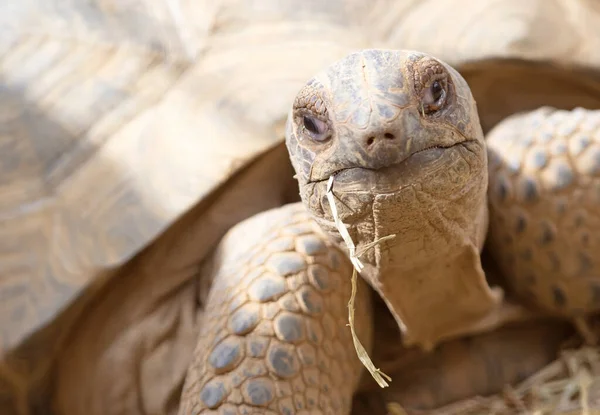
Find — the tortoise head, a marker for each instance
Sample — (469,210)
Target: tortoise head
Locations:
(399,131)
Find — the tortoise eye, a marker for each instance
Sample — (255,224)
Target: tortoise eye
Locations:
(317,129)
(435,96)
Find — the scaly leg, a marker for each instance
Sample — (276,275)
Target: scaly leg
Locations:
(274,338)
(544,192)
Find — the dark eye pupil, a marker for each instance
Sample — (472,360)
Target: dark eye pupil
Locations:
(310,125)
(436,91)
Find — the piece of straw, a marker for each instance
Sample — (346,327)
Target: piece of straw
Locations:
(377,374)
(395,408)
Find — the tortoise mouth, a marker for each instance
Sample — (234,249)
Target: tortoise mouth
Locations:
(393,177)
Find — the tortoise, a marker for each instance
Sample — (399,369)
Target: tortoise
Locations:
(106,298)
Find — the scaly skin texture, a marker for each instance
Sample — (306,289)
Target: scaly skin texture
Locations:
(406,162)
(544,195)
(274,338)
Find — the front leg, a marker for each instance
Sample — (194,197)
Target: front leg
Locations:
(274,338)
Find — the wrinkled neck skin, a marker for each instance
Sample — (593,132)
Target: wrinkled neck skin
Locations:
(430,274)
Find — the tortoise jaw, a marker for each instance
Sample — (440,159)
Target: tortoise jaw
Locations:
(389,178)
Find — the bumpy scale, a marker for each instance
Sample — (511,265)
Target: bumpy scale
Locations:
(274,339)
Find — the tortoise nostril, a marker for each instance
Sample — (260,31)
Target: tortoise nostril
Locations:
(372,139)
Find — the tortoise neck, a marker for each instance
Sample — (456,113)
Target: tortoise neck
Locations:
(432,280)
(430,273)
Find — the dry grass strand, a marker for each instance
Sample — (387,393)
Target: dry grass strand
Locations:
(381,378)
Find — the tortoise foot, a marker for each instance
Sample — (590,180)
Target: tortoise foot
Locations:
(274,337)
(543,196)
